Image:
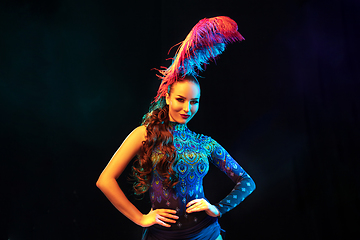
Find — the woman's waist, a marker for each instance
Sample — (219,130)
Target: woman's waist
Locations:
(172,200)
(185,220)
(188,221)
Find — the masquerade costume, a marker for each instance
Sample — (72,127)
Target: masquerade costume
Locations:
(194,152)
(204,43)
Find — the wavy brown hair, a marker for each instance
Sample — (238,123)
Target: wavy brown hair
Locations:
(159,138)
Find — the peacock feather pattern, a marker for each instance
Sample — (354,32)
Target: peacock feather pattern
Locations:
(194,153)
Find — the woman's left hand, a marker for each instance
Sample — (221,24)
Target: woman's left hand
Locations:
(198,205)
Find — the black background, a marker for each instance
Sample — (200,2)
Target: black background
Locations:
(76,79)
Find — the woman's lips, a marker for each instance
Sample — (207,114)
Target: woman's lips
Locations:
(184,116)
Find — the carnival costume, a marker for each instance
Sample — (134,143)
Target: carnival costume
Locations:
(194,152)
(204,43)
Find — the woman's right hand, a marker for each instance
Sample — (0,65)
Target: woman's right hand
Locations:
(159,216)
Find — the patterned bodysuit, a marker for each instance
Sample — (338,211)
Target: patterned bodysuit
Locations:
(194,152)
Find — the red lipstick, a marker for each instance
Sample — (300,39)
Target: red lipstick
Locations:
(184,116)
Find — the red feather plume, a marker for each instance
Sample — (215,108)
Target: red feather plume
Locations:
(207,39)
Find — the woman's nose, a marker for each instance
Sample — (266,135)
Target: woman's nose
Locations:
(186,107)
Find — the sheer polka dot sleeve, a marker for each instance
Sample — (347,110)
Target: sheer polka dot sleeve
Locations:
(244,185)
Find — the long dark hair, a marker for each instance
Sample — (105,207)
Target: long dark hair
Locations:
(159,138)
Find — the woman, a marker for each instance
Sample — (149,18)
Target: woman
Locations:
(172,160)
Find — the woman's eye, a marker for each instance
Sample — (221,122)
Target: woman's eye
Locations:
(194,102)
(180,100)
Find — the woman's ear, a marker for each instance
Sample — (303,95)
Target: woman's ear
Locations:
(167,99)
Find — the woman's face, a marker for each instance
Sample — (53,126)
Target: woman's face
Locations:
(183,101)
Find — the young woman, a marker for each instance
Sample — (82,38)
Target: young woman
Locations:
(171,163)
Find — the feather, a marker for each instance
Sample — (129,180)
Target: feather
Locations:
(207,40)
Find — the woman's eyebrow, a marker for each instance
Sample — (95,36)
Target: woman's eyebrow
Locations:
(185,97)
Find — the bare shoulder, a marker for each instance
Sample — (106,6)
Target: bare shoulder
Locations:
(139,133)
(140,128)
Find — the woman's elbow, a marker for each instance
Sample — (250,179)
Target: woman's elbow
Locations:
(252,185)
(105,181)
(100,182)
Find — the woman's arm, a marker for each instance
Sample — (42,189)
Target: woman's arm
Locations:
(108,185)
(244,184)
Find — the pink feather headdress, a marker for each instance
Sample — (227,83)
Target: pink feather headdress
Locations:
(206,40)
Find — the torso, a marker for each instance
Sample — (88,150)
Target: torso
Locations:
(191,166)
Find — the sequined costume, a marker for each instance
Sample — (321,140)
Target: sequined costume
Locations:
(194,152)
